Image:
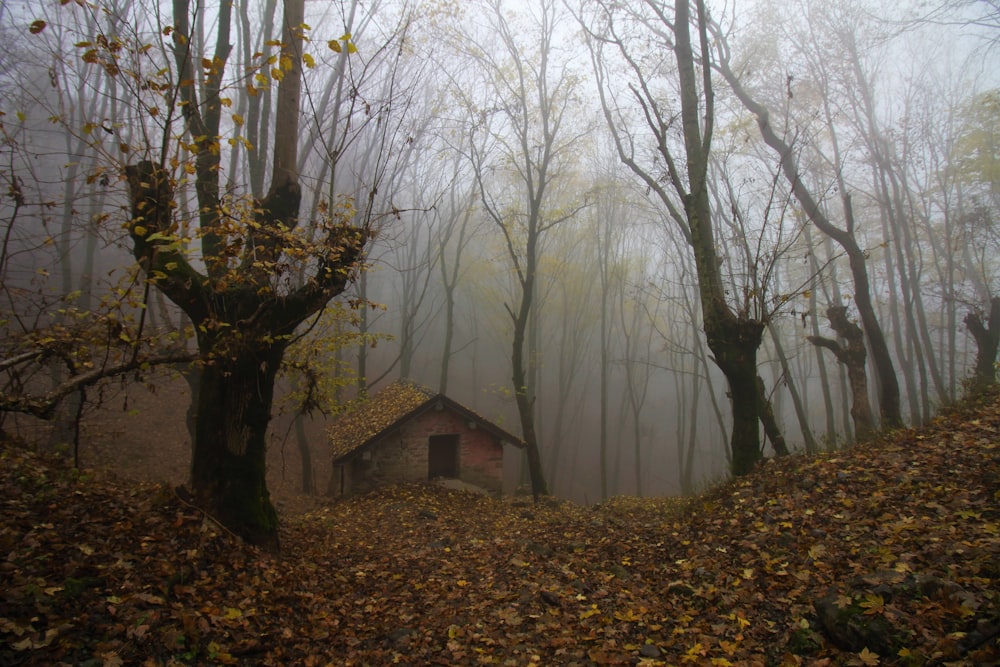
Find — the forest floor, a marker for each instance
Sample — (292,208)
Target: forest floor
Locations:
(883,554)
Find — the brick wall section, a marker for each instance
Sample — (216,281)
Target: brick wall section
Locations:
(402,455)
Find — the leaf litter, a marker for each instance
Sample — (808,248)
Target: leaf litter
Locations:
(886,554)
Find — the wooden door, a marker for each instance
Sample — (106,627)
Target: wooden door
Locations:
(442,456)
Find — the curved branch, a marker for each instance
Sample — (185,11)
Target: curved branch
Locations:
(44,406)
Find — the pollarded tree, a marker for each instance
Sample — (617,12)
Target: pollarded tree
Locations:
(252,274)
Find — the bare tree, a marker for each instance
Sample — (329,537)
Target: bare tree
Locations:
(519,144)
(845,237)
(678,175)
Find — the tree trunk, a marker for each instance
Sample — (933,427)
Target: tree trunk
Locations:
(228,464)
(888,384)
(524,397)
(987,338)
(853,356)
(242,316)
(685,453)
(734,342)
(449,335)
(800,411)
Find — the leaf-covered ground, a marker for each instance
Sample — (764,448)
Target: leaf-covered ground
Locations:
(888,554)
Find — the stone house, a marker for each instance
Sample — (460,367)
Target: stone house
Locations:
(408,433)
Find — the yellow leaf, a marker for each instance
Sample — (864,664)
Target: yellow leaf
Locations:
(351,48)
(308,60)
(277,74)
(593,611)
(694,651)
(189,168)
(238,119)
(233,613)
(334,45)
(139,230)
(226,102)
(287,64)
(868,658)
(873,604)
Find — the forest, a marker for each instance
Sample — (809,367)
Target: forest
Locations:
(662,242)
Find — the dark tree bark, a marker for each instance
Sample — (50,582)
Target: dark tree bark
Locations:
(987,337)
(853,355)
(242,333)
(734,343)
(242,319)
(888,383)
(733,336)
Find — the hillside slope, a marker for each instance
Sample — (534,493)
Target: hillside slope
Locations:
(888,554)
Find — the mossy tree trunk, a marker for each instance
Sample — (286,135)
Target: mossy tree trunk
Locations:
(734,343)
(734,337)
(228,460)
(679,180)
(243,329)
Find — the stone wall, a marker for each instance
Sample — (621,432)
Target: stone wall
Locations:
(401,456)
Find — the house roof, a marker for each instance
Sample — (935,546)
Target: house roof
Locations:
(389,409)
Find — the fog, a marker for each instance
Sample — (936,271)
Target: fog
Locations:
(500,152)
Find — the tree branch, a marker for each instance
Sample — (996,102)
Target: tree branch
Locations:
(44,406)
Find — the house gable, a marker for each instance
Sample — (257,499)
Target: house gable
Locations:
(391,438)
